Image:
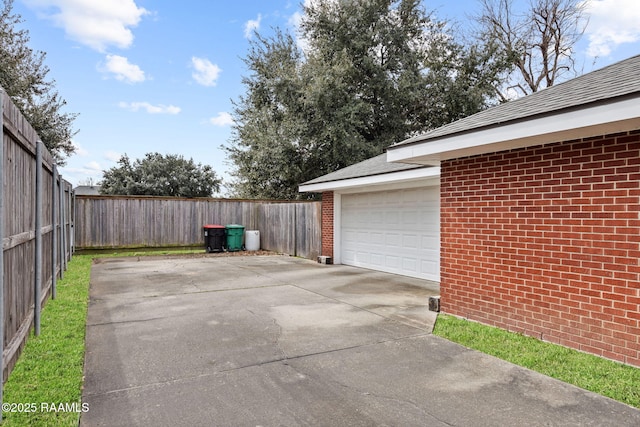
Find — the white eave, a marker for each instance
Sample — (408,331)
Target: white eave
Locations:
(603,118)
(381,180)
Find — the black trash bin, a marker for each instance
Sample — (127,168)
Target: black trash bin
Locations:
(214,237)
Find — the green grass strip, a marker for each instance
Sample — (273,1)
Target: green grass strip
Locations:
(612,379)
(50,367)
(49,371)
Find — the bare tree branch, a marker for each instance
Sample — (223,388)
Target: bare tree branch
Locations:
(539,40)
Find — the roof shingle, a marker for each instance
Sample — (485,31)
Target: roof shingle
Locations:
(613,81)
(374,166)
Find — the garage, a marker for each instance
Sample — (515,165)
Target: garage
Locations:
(396,231)
(382,216)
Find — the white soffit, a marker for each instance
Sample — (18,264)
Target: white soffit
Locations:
(375,180)
(601,119)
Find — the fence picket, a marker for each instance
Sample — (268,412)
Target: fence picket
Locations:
(127,222)
(20,207)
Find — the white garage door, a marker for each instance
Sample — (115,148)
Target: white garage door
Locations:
(394,231)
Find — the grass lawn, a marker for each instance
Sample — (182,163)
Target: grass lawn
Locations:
(50,367)
(611,379)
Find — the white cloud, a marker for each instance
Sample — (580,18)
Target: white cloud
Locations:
(66,170)
(112,156)
(222,119)
(94,23)
(611,23)
(252,25)
(122,69)
(87,170)
(79,150)
(93,166)
(295,22)
(205,72)
(149,108)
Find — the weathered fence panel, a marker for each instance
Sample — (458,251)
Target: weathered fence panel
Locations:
(291,228)
(128,222)
(21,256)
(278,228)
(308,230)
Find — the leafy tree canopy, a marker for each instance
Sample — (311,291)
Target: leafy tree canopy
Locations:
(23,75)
(160,175)
(372,73)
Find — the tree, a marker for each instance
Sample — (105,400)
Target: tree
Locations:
(23,75)
(86,182)
(373,73)
(538,42)
(269,121)
(160,175)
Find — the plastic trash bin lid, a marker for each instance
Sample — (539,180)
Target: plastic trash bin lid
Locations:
(213,226)
(235,226)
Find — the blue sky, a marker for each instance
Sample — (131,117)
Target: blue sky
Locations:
(159,76)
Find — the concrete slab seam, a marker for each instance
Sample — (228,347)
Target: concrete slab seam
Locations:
(285,361)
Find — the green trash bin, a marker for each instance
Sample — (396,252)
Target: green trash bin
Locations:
(235,233)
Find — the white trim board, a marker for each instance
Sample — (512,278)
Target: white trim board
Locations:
(609,118)
(356,184)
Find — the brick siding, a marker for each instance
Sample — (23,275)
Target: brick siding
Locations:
(545,241)
(327,223)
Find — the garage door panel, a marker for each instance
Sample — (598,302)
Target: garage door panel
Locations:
(348,257)
(410,264)
(392,217)
(377,259)
(349,236)
(376,217)
(410,241)
(363,237)
(393,239)
(430,241)
(392,262)
(377,238)
(393,231)
(388,197)
(429,267)
(363,257)
(410,218)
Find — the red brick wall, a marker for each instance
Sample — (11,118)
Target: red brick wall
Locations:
(546,241)
(327,223)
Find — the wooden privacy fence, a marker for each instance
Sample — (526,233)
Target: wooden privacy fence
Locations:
(129,222)
(35,229)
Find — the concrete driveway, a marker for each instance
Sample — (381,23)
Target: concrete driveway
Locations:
(275,340)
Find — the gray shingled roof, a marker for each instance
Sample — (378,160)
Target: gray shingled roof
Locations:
(87,190)
(374,166)
(616,80)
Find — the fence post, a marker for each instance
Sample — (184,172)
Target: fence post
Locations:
(61,220)
(38,256)
(66,224)
(72,221)
(1,250)
(295,229)
(54,240)
(65,215)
